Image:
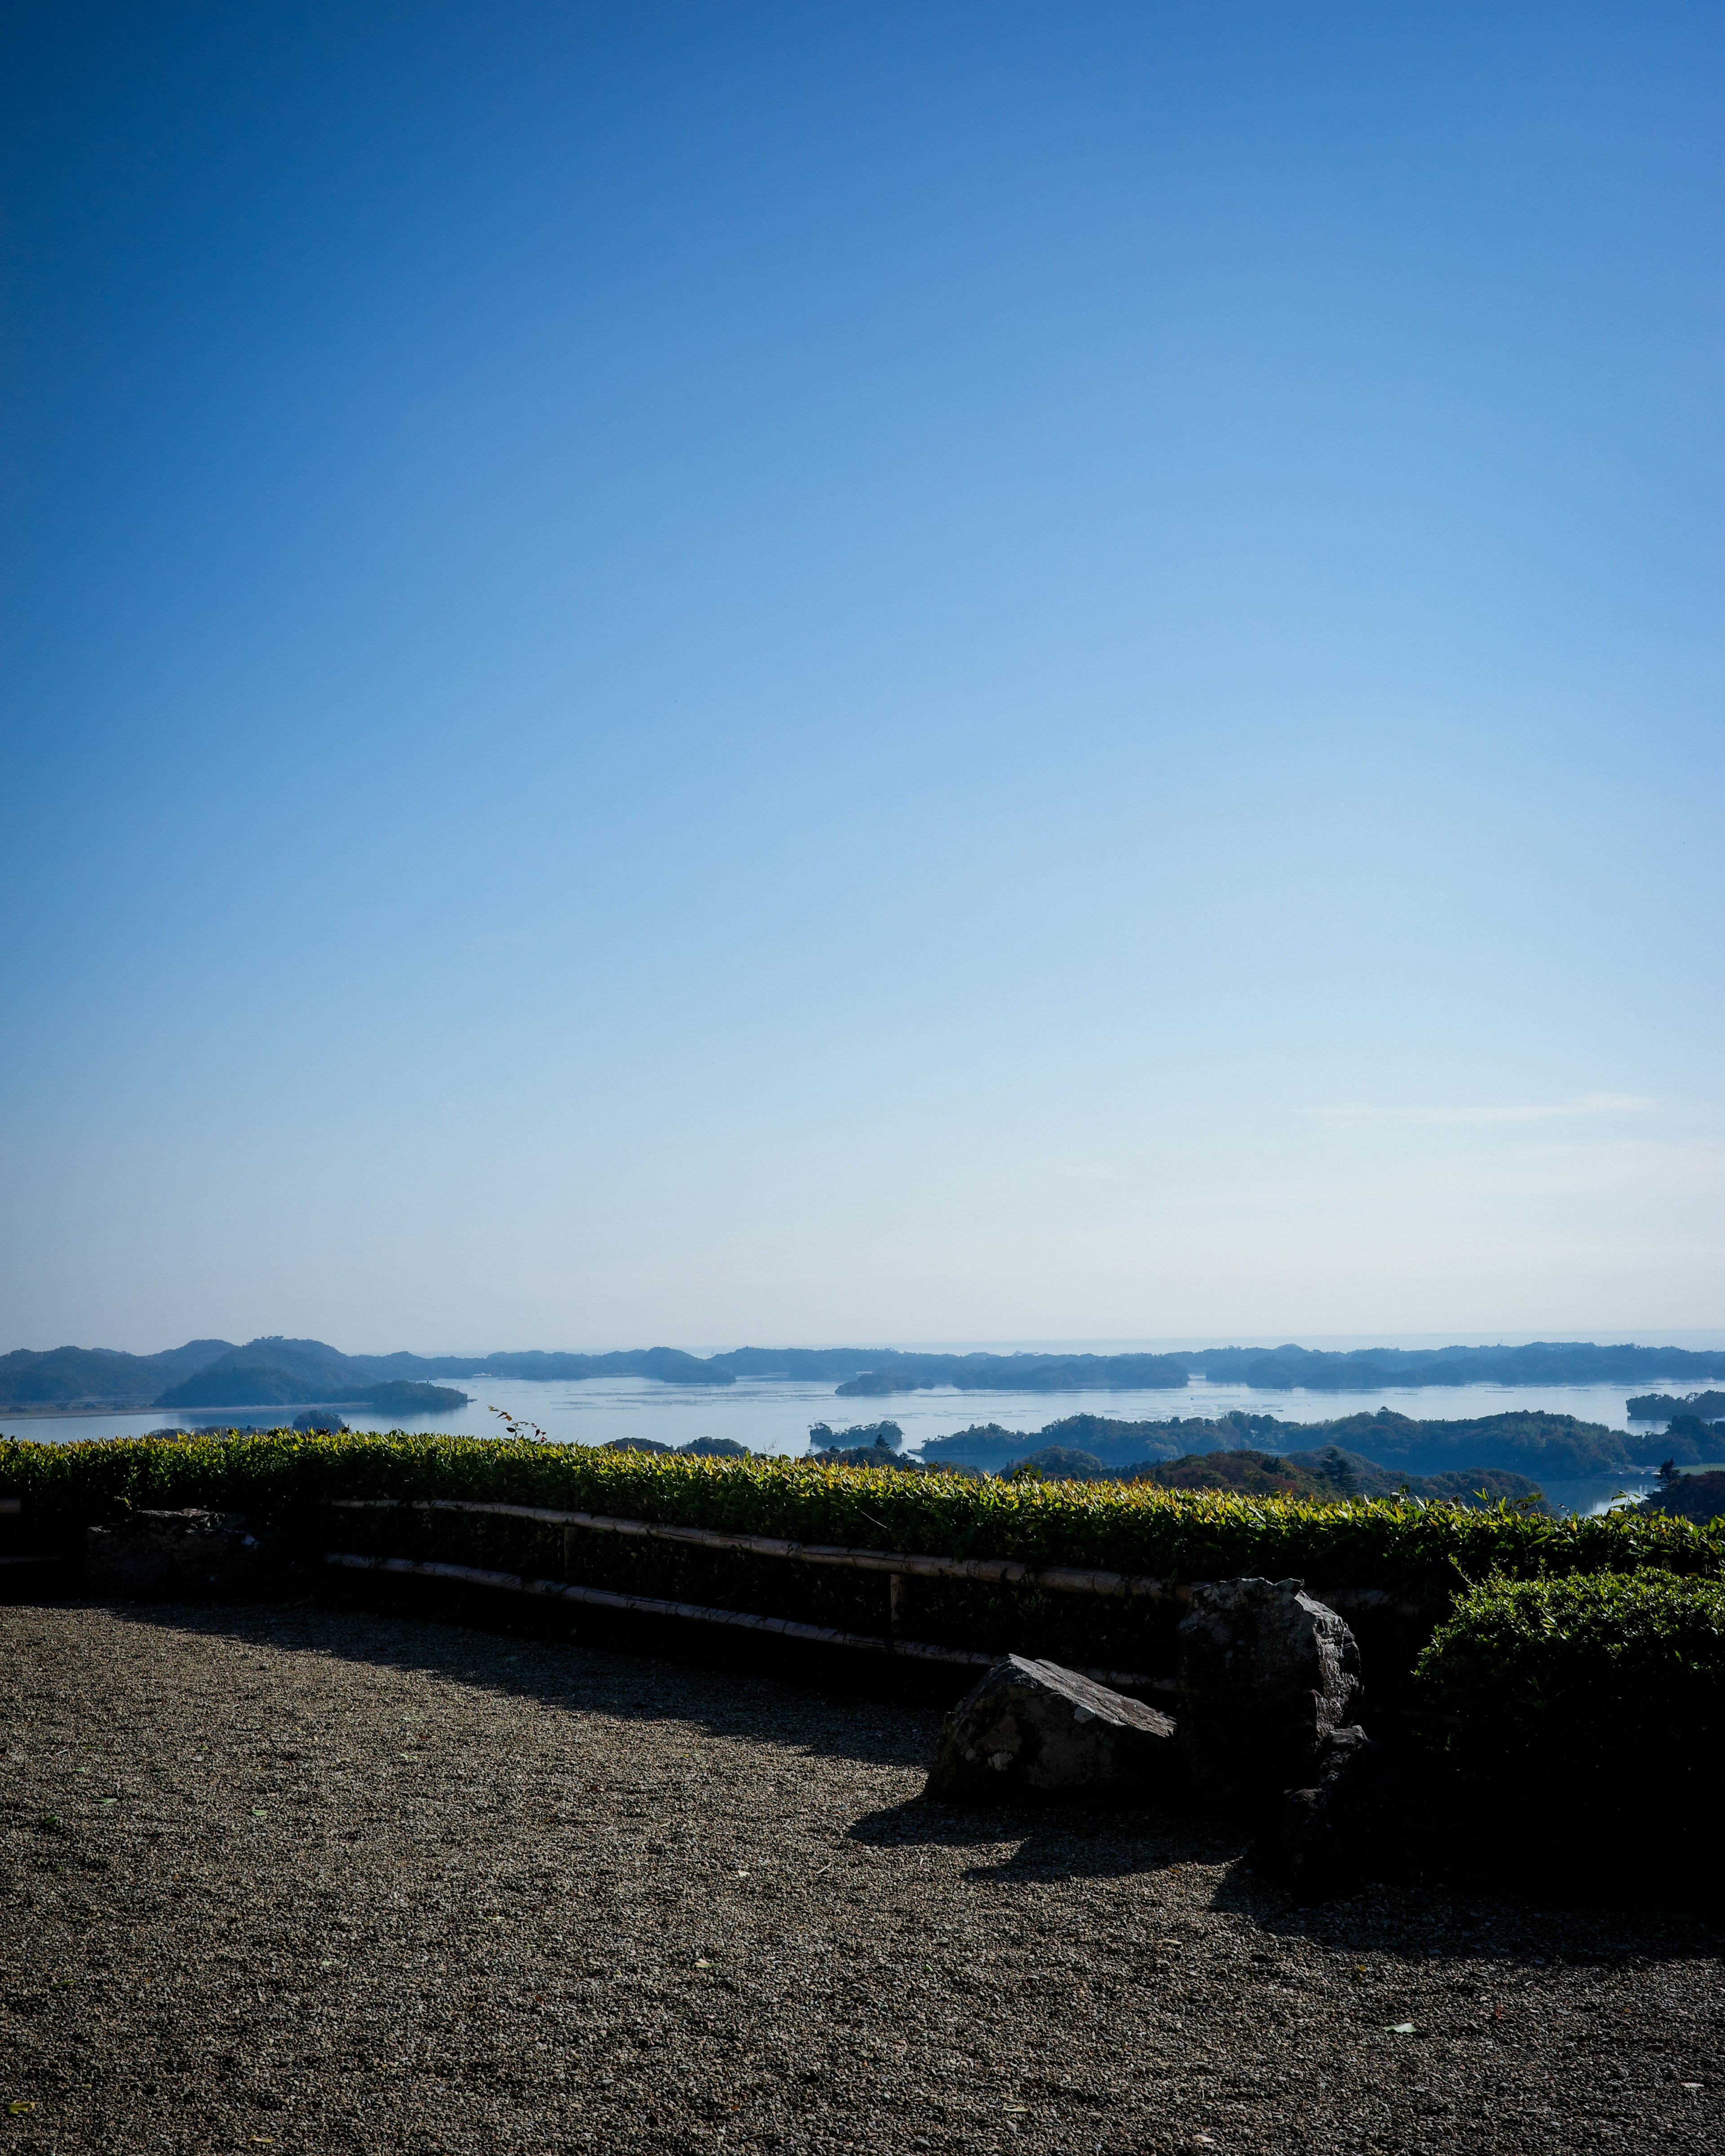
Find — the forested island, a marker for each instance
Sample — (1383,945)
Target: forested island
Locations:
(1217,1461)
(1531,1443)
(1662,1407)
(1377,1369)
(1321,1477)
(260,1386)
(1019,1373)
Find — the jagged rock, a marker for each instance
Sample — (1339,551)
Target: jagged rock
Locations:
(1341,1831)
(195,1554)
(1034,1732)
(1265,1673)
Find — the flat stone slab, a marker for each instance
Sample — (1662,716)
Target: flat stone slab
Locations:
(1033,1732)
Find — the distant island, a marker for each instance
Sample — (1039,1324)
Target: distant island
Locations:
(275,1371)
(227,1384)
(1661,1407)
(1017,1373)
(887,1436)
(1524,1442)
(1328,1476)
(1377,1369)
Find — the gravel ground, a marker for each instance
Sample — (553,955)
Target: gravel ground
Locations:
(307,1879)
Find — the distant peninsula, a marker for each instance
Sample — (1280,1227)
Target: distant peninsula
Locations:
(275,1371)
(265,1385)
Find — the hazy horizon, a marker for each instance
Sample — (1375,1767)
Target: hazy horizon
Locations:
(852,676)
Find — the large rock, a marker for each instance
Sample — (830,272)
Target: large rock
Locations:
(194,1555)
(1346,1827)
(1032,1731)
(1265,1673)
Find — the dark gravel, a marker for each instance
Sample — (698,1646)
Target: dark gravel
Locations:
(310,1880)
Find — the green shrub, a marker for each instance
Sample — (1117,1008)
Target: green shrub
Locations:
(1588,1715)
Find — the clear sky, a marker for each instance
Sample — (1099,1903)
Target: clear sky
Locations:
(715,672)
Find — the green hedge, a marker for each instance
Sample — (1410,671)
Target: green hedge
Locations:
(1588,1720)
(1424,1552)
(1136,1528)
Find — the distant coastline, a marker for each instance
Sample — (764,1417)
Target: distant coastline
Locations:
(274,1371)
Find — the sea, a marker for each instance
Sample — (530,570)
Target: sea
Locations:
(774,1415)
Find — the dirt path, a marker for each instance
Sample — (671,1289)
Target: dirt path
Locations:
(307,1881)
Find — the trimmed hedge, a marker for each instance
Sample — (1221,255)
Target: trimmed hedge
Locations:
(1423,1553)
(1589,1712)
(1138,1528)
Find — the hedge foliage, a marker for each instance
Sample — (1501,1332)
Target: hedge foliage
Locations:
(1434,1549)
(1426,1554)
(1589,1711)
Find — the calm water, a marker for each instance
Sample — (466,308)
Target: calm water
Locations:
(773,1414)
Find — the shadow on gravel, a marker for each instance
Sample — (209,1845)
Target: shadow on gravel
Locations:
(1051,1845)
(1418,1920)
(728,1696)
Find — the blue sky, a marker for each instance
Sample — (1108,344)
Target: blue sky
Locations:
(716,673)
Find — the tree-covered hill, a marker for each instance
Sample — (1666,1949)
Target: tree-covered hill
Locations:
(1661,1407)
(69,1377)
(1699,1497)
(1529,1442)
